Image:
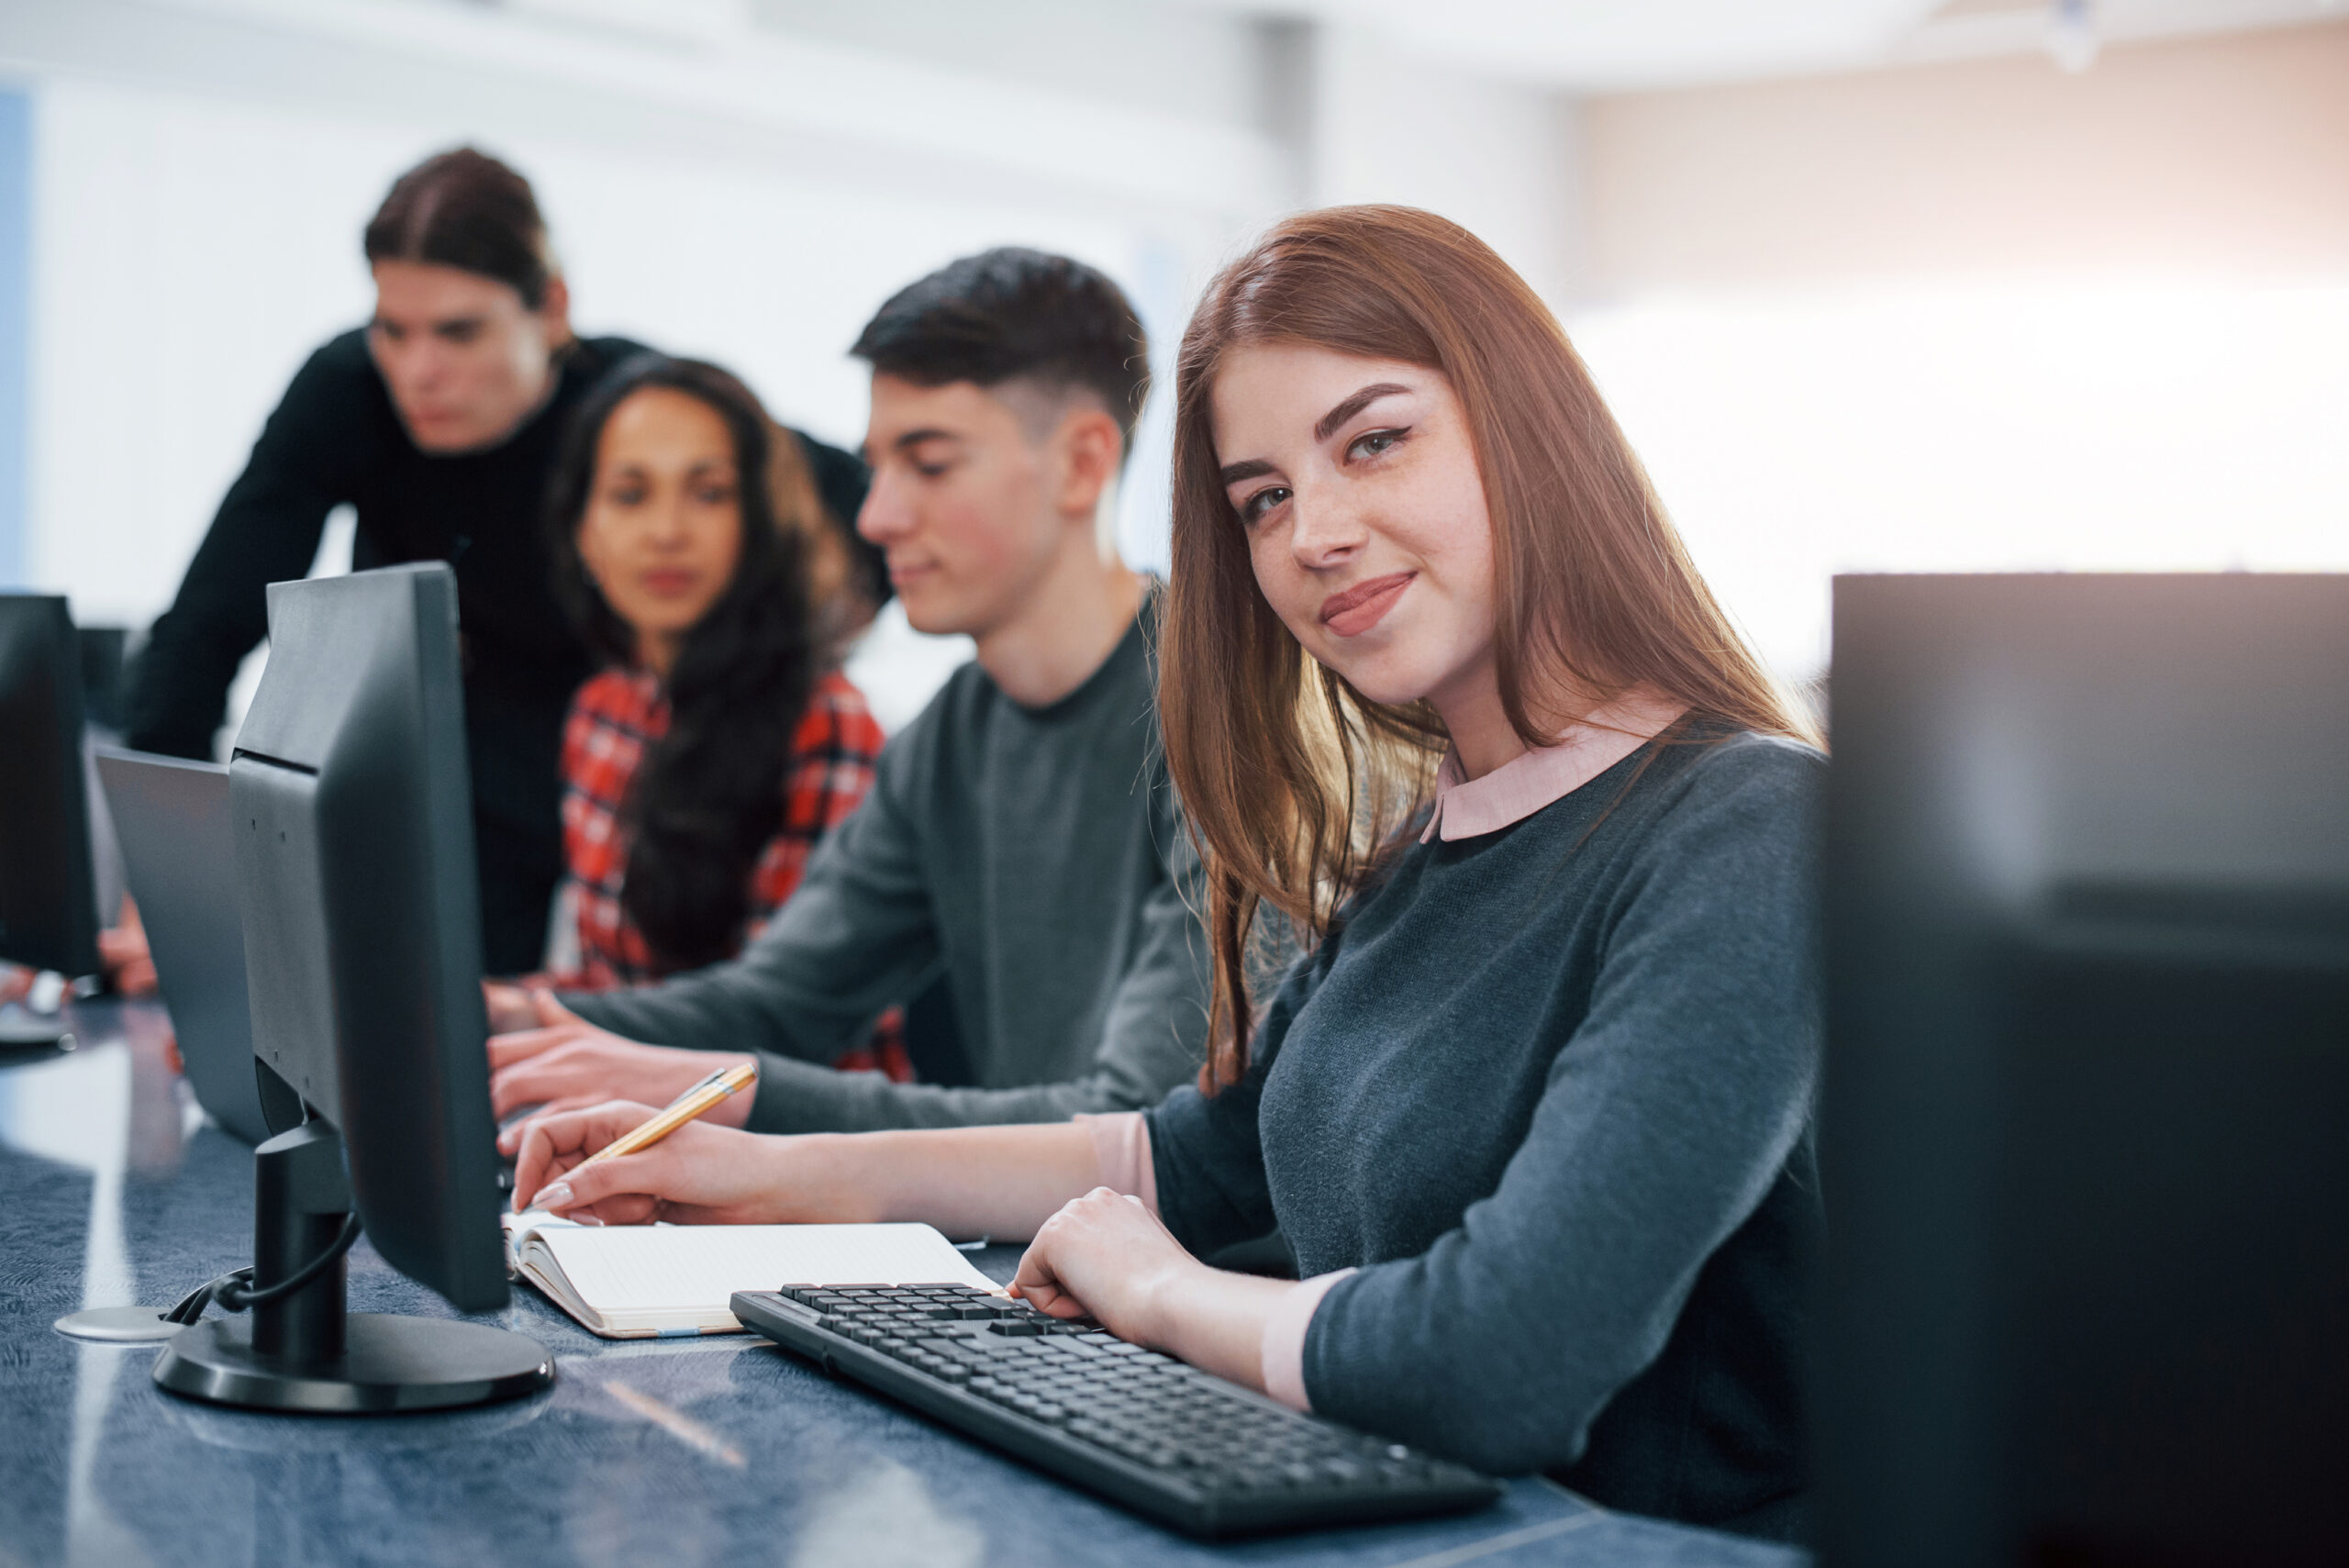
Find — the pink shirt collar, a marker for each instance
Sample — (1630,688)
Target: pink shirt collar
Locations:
(1467,807)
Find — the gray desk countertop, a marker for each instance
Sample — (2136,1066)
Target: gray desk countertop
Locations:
(113,1189)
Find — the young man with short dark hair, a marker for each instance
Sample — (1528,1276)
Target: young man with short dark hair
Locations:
(1020,839)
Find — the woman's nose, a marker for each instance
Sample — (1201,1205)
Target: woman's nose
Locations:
(1323,530)
(669,523)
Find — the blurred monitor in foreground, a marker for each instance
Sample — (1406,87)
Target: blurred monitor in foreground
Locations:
(48,900)
(2086,1117)
(348,800)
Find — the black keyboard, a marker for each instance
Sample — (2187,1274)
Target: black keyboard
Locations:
(1203,1455)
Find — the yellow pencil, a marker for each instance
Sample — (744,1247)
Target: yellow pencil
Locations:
(717,1086)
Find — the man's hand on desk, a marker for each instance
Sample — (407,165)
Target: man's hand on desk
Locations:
(509,1006)
(562,1063)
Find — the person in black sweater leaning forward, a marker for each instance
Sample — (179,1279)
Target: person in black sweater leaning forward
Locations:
(1440,683)
(438,422)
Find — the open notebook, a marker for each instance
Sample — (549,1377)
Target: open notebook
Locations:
(637,1281)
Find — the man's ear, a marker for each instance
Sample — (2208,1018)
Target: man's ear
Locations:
(554,312)
(1091,448)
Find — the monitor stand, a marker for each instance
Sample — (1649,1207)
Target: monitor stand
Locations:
(304,1351)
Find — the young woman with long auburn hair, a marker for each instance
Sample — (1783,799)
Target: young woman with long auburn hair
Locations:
(1442,687)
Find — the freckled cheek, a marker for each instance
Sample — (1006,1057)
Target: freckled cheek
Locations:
(1284,588)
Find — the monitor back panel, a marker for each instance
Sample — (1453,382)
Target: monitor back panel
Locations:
(350,803)
(173,820)
(2087,1115)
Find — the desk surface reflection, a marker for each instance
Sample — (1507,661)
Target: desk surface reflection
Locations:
(113,1189)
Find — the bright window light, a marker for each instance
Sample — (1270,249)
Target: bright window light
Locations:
(2052,428)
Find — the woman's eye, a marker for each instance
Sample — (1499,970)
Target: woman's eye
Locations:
(1253,509)
(1371,444)
(717,494)
(624,495)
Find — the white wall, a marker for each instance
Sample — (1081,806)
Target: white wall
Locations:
(2213,157)
(1983,317)
(1499,158)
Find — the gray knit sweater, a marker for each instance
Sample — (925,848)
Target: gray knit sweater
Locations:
(1550,1089)
(1035,857)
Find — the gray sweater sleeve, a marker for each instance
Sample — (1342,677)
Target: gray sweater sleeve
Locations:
(1153,1035)
(1665,1119)
(860,934)
(1206,1150)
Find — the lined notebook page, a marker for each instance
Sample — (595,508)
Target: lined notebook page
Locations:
(635,1268)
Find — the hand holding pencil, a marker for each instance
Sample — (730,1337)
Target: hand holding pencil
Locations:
(701,1097)
(613,1163)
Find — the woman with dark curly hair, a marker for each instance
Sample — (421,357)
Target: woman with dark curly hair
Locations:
(720,741)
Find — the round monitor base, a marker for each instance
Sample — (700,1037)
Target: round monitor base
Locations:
(388,1363)
(29,1032)
(119,1325)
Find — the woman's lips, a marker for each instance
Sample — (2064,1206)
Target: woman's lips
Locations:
(668,584)
(1364,604)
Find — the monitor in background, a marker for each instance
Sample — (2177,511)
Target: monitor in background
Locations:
(349,804)
(48,900)
(180,859)
(2086,1127)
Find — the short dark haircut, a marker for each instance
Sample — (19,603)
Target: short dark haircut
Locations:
(466,209)
(1011,314)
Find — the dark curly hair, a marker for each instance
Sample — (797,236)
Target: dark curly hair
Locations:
(707,795)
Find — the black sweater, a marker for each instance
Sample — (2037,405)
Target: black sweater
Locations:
(336,439)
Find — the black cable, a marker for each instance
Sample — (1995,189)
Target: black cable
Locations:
(234,1292)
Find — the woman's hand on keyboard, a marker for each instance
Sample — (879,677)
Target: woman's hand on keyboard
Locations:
(1106,1256)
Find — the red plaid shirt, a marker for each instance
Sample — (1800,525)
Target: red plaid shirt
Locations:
(613,719)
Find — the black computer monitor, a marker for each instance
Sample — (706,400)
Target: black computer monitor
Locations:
(350,800)
(49,901)
(2085,1125)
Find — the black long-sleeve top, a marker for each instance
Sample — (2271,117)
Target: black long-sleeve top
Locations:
(336,439)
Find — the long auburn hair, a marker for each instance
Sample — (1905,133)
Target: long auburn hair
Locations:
(1295,785)
(708,795)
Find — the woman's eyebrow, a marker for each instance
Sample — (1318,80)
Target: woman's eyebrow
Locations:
(1248,469)
(1353,406)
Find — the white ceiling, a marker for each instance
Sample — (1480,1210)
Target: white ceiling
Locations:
(1616,45)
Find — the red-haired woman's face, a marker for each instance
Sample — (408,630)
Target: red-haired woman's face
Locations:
(1356,483)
